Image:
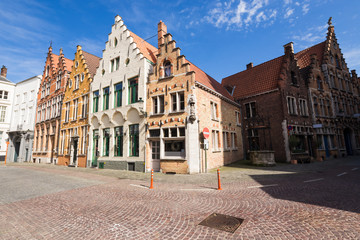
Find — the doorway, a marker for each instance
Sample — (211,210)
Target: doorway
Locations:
(326,143)
(17,150)
(75,147)
(155,155)
(95,154)
(348,143)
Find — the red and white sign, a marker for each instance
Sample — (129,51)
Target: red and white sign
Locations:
(206,132)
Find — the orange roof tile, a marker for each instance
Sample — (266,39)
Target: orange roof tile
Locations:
(261,78)
(55,60)
(92,62)
(208,81)
(264,77)
(303,57)
(68,63)
(148,50)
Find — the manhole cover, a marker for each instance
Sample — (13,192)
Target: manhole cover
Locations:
(222,222)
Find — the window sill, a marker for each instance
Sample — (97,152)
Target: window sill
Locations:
(226,150)
(173,158)
(156,114)
(216,151)
(216,120)
(165,78)
(181,111)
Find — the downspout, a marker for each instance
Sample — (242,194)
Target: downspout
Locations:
(243,132)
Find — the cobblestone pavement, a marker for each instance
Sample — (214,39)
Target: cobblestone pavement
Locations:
(312,201)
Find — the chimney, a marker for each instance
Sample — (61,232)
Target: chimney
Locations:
(289,48)
(162,30)
(3,71)
(249,66)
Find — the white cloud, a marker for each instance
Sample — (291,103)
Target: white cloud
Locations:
(353,58)
(240,15)
(289,12)
(287,2)
(305,8)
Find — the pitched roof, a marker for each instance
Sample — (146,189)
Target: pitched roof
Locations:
(258,79)
(92,62)
(148,50)
(264,77)
(208,81)
(68,63)
(304,57)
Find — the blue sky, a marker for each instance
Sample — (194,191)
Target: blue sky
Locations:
(220,37)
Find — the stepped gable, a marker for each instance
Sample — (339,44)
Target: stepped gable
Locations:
(54,61)
(148,50)
(258,79)
(304,57)
(65,62)
(208,81)
(92,62)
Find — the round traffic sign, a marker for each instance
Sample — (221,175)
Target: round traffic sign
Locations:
(206,132)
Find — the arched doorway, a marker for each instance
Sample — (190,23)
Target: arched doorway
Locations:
(348,143)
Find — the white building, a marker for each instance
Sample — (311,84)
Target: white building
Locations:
(6,100)
(21,134)
(117,101)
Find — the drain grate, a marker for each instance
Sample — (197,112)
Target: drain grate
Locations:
(222,222)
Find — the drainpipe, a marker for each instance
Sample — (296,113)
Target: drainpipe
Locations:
(243,132)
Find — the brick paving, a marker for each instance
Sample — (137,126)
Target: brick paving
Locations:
(115,205)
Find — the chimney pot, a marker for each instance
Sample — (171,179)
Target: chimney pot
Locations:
(249,66)
(3,71)
(289,48)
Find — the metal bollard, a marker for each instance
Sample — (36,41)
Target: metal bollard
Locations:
(219,183)
(152,179)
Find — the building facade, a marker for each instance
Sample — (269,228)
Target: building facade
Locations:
(73,144)
(118,98)
(294,105)
(181,101)
(335,99)
(6,104)
(21,133)
(49,102)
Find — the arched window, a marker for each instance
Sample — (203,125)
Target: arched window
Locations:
(167,69)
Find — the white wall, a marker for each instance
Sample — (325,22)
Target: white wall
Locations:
(25,104)
(5,126)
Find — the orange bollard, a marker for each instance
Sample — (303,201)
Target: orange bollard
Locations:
(219,183)
(152,179)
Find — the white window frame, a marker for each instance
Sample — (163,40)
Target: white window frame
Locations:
(75,110)
(214,111)
(291,103)
(156,106)
(238,118)
(177,101)
(303,107)
(67,111)
(215,140)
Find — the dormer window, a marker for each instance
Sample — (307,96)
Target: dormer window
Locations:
(167,69)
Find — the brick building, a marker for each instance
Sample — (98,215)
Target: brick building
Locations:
(49,102)
(335,98)
(118,98)
(291,104)
(181,100)
(73,144)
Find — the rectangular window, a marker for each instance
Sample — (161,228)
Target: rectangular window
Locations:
(133,90)
(214,111)
(238,118)
(84,106)
(155,149)
(303,107)
(106,142)
(250,110)
(118,141)
(58,81)
(177,102)
(134,140)
(106,92)
(2,113)
(96,101)
(291,102)
(233,141)
(84,135)
(215,140)
(158,104)
(77,82)
(117,61)
(76,106)
(118,94)
(67,111)
(316,110)
(226,144)
(154,132)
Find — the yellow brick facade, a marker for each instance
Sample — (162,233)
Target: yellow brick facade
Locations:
(73,146)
